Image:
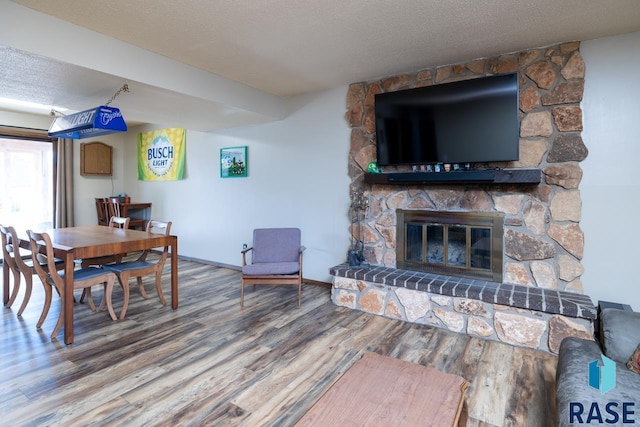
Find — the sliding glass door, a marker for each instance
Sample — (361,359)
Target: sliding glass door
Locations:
(26,184)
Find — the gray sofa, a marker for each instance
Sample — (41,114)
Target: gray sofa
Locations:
(620,337)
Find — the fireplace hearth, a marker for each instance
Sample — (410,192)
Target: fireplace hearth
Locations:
(465,244)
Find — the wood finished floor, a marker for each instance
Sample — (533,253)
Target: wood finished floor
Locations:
(211,363)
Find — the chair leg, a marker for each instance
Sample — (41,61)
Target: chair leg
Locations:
(124,283)
(28,280)
(91,304)
(159,287)
(108,290)
(60,317)
(16,286)
(58,325)
(241,294)
(299,293)
(48,293)
(141,286)
(103,301)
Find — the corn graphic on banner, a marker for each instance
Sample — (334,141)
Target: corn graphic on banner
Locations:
(161,154)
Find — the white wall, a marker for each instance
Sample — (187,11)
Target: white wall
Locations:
(297,177)
(610,186)
(87,188)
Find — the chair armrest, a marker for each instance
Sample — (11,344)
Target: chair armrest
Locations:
(302,248)
(244,255)
(621,333)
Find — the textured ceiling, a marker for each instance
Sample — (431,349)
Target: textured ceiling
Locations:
(287,47)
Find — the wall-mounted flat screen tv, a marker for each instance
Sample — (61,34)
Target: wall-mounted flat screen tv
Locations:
(470,121)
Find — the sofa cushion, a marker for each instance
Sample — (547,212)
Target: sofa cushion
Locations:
(634,361)
(621,330)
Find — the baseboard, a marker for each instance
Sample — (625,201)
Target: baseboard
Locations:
(208,262)
(317,282)
(239,268)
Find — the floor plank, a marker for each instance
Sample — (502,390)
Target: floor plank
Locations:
(213,363)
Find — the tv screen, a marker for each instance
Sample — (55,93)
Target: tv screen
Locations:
(470,121)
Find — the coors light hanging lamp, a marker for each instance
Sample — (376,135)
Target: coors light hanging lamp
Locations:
(101,120)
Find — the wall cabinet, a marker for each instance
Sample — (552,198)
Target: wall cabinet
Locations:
(95,158)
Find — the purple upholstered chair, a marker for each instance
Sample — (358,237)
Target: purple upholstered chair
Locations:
(276,259)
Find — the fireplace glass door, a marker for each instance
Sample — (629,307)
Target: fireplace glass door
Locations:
(415,243)
(460,243)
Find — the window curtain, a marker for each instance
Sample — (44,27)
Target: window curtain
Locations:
(63,193)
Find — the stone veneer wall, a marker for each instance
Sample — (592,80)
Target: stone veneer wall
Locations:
(543,242)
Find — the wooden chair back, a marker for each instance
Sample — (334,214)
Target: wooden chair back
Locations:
(8,249)
(10,253)
(119,222)
(11,249)
(114,206)
(102,210)
(157,227)
(115,222)
(44,263)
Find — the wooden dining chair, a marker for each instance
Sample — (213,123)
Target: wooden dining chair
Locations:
(12,258)
(141,267)
(85,278)
(113,204)
(102,210)
(119,222)
(9,258)
(18,265)
(114,222)
(115,208)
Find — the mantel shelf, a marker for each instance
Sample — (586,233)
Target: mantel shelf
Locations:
(488,176)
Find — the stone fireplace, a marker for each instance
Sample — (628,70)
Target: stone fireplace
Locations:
(534,299)
(543,242)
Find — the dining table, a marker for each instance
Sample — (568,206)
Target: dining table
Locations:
(92,241)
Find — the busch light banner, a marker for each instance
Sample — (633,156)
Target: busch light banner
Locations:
(161,154)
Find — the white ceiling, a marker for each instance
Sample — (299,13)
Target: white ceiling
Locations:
(230,62)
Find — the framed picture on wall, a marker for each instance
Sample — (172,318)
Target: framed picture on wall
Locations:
(233,162)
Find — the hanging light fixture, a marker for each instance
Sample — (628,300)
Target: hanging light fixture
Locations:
(101,120)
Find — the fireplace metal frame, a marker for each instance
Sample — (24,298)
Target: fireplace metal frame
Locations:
(491,220)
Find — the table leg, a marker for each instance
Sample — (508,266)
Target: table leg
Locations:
(5,282)
(174,273)
(67,304)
